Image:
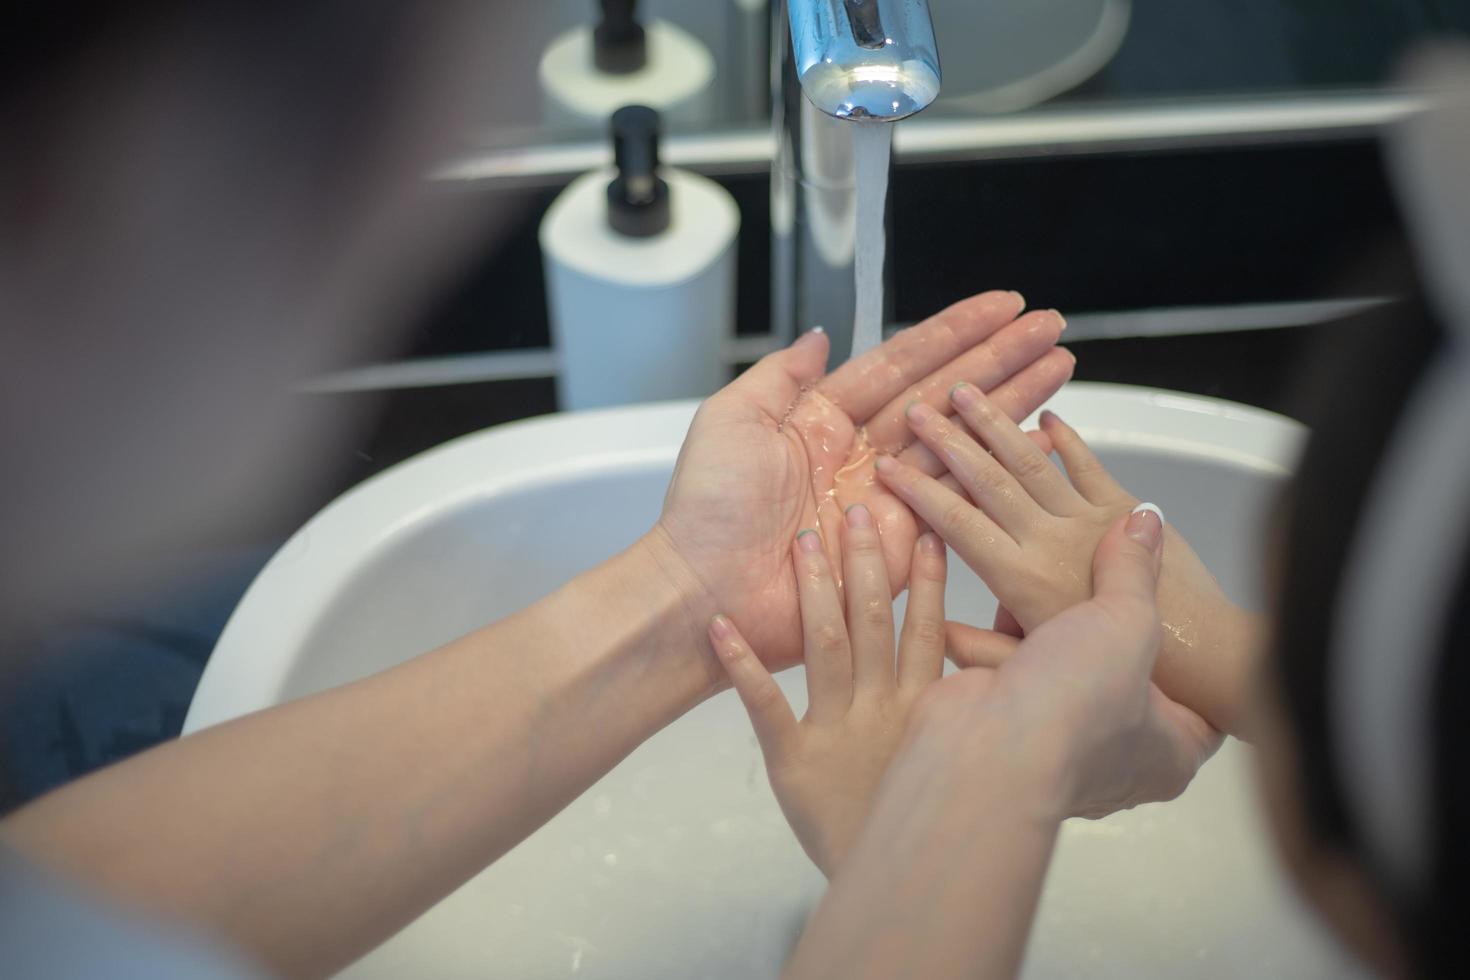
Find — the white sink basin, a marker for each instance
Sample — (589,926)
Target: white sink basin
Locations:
(678,863)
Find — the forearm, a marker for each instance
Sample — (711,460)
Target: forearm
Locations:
(945,877)
(308,833)
(1207,656)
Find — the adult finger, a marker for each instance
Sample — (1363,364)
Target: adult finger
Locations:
(1023,393)
(869,604)
(770,713)
(865,384)
(828,656)
(1125,578)
(776,380)
(921,646)
(1010,352)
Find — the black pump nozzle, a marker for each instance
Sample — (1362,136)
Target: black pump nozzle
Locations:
(637,200)
(619,45)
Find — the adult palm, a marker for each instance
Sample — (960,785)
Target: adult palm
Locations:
(785,448)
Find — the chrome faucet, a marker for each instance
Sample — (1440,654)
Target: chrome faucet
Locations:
(834,64)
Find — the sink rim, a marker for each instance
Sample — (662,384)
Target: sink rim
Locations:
(256,651)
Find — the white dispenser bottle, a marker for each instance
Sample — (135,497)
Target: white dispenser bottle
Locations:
(588,72)
(640,276)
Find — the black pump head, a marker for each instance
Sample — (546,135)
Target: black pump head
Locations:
(619,45)
(637,200)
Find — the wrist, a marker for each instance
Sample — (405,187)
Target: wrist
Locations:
(680,604)
(996,760)
(944,877)
(1240,640)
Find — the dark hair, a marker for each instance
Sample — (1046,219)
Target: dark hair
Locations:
(1360,381)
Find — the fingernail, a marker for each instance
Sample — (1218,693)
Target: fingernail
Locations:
(930,544)
(808,540)
(720,628)
(963,395)
(1153,509)
(812,336)
(919,413)
(858,515)
(885,464)
(1048,417)
(1058,315)
(1020,300)
(1146,525)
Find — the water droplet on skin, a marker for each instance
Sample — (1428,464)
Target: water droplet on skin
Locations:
(853,480)
(1184,633)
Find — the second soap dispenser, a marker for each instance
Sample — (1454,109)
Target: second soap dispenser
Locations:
(640,276)
(589,71)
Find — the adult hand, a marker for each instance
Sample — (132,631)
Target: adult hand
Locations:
(783,448)
(944,878)
(1073,704)
(1031,535)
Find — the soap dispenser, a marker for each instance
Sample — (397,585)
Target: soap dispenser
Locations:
(640,276)
(590,71)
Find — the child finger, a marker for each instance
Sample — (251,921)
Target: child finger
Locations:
(922,458)
(983,476)
(827,655)
(770,713)
(869,603)
(1006,622)
(1085,470)
(970,646)
(1016,451)
(965,528)
(921,647)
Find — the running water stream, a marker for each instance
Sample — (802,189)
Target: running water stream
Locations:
(871,144)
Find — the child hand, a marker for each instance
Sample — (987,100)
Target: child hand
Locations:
(825,768)
(1031,535)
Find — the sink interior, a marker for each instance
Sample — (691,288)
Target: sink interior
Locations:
(678,862)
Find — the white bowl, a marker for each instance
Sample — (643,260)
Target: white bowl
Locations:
(678,862)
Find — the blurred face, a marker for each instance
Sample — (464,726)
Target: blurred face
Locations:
(1329,879)
(196,217)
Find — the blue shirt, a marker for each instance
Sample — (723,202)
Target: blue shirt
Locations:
(52,929)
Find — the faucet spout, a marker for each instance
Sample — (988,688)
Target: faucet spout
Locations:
(868,59)
(836,64)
